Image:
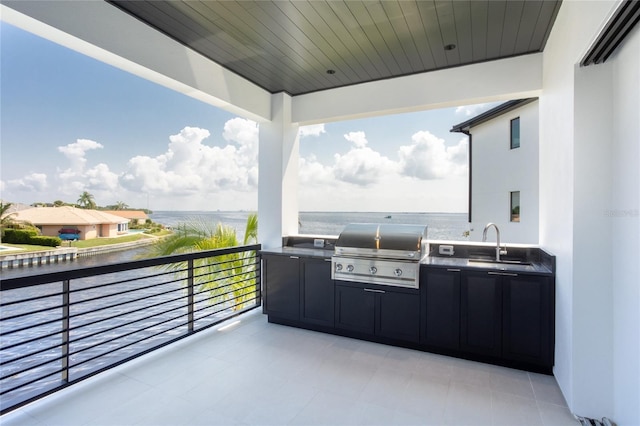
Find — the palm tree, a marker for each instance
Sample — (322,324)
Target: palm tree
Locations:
(228,278)
(86,201)
(5,217)
(120,205)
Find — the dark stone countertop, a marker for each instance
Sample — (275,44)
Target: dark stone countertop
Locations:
(537,268)
(300,251)
(473,256)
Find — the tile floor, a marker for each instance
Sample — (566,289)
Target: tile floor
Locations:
(256,373)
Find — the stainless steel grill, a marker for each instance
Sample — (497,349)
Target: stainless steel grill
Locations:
(387,254)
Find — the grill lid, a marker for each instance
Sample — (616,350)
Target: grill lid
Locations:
(370,238)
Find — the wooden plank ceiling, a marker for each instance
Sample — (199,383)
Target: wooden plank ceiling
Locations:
(305,46)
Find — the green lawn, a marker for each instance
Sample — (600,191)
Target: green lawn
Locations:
(96,242)
(25,247)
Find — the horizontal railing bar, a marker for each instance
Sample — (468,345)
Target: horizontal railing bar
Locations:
(81,313)
(32,367)
(217,303)
(31,299)
(217,312)
(228,292)
(115,364)
(115,305)
(222,273)
(107,318)
(183,324)
(223,278)
(122,314)
(37,379)
(71,274)
(26,356)
(234,289)
(24,314)
(86,336)
(79,290)
(128,280)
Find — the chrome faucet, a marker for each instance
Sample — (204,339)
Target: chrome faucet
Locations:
(499,251)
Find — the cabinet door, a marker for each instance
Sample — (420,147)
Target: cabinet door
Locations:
(282,286)
(355,309)
(528,319)
(481,313)
(442,305)
(398,315)
(317,292)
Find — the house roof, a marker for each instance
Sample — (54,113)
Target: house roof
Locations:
(129,214)
(465,126)
(299,47)
(67,216)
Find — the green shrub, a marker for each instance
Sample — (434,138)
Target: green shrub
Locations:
(18,236)
(41,240)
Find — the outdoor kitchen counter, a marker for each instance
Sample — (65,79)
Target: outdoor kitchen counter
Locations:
(300,251)
(537,268)
(480,256)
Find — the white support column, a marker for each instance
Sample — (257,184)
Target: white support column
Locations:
(278,174)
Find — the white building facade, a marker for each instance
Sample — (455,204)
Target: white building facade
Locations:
(503,171)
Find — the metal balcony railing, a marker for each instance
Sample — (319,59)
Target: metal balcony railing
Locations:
(59,328)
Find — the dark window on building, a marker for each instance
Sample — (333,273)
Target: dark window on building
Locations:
(515,133)
(515,206)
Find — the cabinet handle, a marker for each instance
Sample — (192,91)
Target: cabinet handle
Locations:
(506,274)
(294,257)
(453,270)
(374,291)
(327,260)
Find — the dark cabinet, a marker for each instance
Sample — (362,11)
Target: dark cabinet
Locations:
(480,313)
(389,313)
(528,319)
(317,292)
(441,294)
(355,309)
(282,286)
(398,316)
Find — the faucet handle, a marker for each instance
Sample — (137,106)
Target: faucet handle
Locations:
(503,251)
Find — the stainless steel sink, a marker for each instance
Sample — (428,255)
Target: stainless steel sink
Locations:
(501,262)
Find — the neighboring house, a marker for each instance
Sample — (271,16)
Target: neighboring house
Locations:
(90,223)
(138,215)
(503,171)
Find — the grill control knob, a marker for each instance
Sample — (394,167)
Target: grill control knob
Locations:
(338,266)
(397,272)
(350,268)
(373,270)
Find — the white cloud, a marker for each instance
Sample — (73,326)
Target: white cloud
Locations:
(428,158)
(34,182)
(311,130)
(359,139)
(313,173)
(75,152)
(189,166)
(77,178)
(361,165)
(101,178)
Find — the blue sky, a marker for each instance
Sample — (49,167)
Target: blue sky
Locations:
(70,124)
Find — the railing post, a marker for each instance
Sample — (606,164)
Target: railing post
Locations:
(190,297)
(65,330)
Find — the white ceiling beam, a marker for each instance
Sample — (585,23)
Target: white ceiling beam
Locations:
(104,32)
(513,78)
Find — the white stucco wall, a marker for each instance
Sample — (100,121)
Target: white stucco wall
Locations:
(497,170)
(624,215)
(588,131)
